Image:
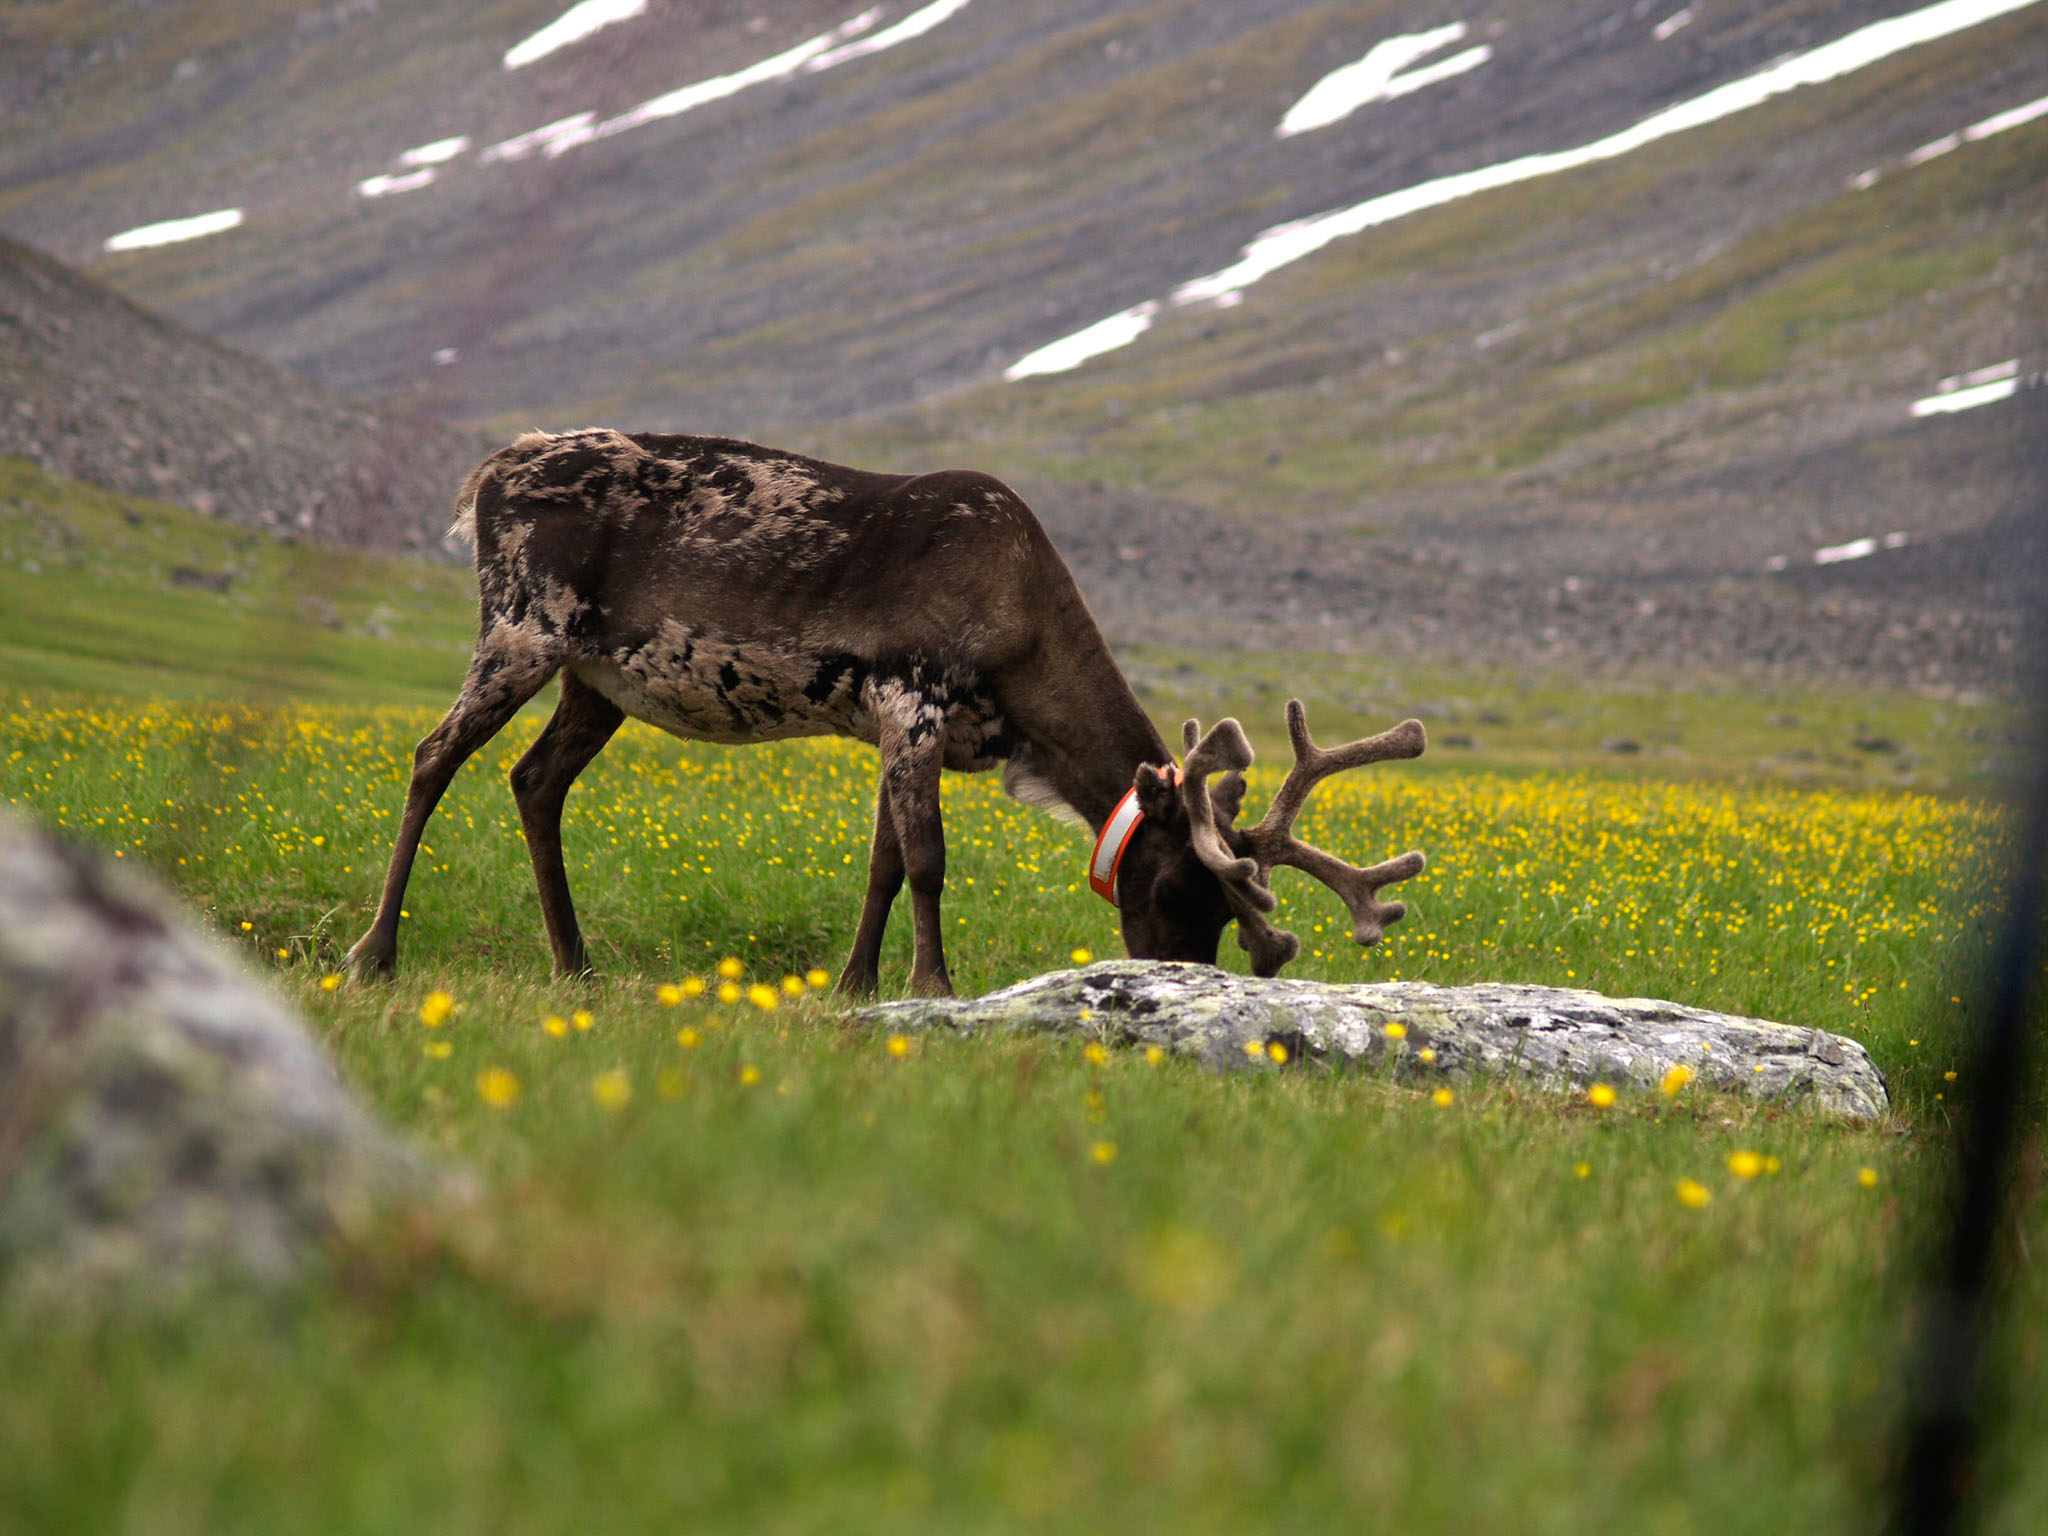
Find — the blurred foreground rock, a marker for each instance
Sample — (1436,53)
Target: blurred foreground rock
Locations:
(1562,1038)
(162,1119)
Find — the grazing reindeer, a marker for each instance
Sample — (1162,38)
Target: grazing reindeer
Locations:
(726,592)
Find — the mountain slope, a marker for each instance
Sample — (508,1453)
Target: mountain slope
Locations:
(101,390)
(1671,377)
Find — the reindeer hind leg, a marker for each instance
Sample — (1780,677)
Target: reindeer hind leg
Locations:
(507,670)
(582,723)
(912,732)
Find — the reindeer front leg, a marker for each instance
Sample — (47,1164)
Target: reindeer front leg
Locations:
(863,971)
(504,673)
(912,736)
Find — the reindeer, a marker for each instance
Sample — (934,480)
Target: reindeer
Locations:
(727,592)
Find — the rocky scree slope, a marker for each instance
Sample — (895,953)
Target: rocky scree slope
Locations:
(98,389)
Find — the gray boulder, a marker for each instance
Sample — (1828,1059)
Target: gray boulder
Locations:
(163,1119)
(1558,1036)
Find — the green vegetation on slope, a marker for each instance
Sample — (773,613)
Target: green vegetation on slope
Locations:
(112,594)
(1500,333)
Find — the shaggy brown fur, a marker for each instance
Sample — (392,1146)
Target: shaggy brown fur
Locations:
(728,592)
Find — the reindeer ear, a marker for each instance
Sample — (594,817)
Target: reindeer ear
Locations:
(1157,796)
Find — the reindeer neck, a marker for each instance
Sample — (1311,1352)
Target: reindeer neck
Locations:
(1106,735)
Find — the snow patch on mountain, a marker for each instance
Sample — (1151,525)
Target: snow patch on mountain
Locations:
(1379,76)
(572,26)
(1998,122)
(1967,391)
(171,231)
(915,25)
(1285,244)
(1118,330)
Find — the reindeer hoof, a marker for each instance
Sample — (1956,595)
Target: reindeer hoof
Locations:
(371,961)
(862,986)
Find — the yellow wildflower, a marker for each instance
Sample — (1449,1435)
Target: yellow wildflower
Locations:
(729,992)
(1154,1054)
(730,969)
(1426,1054)
(761,995)
(693,986)
(612,1090)
(1095,1053)
(899,1046)
(688,1038)
(555,1025)
(1582,1170)
(1692,1194)
(668,994)
(329,982)
(1745,1165)
(1442,1098)
(1104,1153)
(582,1019)
(749,1075)
(439,1050)
(818,978)
(1867,1177)
(793,986)
(1080,957)
(1600,1096)
(497,1087)
(435,1009)
(1397,1031)
(1278,1052)
(1674,1081)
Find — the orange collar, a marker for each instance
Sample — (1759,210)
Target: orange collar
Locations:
(1113,839)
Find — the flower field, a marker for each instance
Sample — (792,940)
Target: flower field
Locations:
(737,1266)
(1850,910)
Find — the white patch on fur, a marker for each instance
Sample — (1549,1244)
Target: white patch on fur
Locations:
(1025,785)
(464,526)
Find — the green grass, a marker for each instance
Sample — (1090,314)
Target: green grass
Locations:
(106,594)
(797,1282)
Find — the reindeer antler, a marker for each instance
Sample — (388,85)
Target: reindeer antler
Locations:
(1272,841)
(1245,886)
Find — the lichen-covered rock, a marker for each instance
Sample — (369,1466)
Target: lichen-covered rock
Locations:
(162,1119)
(1558,1036)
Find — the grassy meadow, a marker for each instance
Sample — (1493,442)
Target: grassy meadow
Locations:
(735,1264)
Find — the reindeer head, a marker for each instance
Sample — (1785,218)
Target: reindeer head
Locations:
(1189,869)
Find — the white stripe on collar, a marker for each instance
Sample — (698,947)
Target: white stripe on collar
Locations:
(1113,839)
